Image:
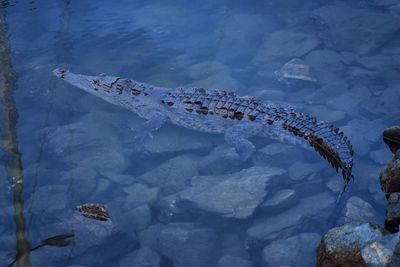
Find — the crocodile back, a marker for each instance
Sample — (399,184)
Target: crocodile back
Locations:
(326,140)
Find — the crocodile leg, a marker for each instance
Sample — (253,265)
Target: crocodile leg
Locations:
(145,130)
(237,137)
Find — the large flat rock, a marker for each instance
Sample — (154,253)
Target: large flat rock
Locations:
(235,195)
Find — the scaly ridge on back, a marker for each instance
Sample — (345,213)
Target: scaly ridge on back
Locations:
(327,141)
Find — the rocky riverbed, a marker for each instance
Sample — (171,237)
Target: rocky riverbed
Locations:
(184,198)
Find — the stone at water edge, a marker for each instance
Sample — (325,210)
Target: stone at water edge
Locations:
(390,176)
(392,217)
(382,252)
(391,136)
(342,245)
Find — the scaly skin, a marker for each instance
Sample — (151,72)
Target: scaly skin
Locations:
(218,112)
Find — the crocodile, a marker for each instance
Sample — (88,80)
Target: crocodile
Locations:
(217,111)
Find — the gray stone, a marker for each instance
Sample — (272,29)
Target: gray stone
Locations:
(212,75)
(298,250)
(280,200)
(51,199)
(232,245)
(129,219)
(172,175)
(327,64)
(300,170)
(235,195)
(81,144)
(359,210)
(353,29)
(118,178)
(143,257)
(363,133)
(231,261)
(324,113)
(392,218)
(335,185)
(383,3)
(382,252)
(89,239)
(381,156)
(138,194)
(275,149)
(190,247)
(342,245)
(286,44)
(243,30)
(222,159)
(149,236)
(81,181)
(295,69)
(172,139)
(311,209)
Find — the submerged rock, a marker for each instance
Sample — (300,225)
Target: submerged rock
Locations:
(222,159)
(231,261)
(353,29)
(232,245)
(143,257)
(235,195)
(298,250)
(188,246)
(171,139)
(286,44)
(172,175)
(310,210)
(327,64)
(392,218)
(295,69)
(342,245)
(359,210)
(281,199)
(391,136)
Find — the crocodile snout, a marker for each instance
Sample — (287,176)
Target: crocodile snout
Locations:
(60,73)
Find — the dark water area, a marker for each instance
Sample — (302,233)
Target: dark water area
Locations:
(187,199)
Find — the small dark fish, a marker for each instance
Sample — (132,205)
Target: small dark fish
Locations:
(94,211)
(58,240)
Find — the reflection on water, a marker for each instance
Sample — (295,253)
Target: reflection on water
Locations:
(12,159)
(187,200)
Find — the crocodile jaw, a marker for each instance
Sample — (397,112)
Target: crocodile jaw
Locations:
(91,84)
(81,81)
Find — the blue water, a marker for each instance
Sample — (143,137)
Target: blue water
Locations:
(78,149)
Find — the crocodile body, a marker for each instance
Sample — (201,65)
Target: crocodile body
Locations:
(239,118)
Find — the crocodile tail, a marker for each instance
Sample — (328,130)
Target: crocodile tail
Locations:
(327,140)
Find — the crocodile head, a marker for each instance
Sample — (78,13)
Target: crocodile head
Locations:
(110,88)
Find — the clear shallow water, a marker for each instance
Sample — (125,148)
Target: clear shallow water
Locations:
(77,149)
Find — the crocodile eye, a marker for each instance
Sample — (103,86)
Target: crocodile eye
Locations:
(135,91)
(95,84)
